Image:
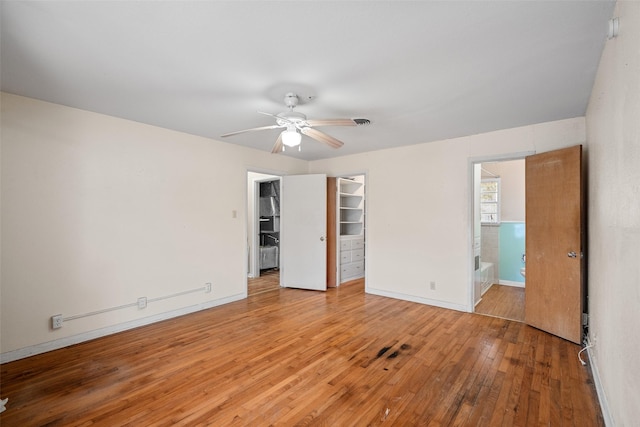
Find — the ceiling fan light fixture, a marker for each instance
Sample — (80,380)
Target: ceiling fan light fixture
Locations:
(291,138)
(295,124)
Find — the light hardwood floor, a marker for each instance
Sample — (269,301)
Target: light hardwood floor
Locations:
(293,357)
(503,301)
(269,280)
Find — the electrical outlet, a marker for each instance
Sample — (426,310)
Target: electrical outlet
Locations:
(56,321)
(142,302)
(432,286)
(207,287)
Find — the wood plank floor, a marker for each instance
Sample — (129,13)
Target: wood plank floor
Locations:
(503,301)
(269,280)
(294,357)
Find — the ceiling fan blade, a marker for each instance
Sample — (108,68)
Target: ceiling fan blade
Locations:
(332,122)
(253,130)
(284,119)
(322,137)
(277,148)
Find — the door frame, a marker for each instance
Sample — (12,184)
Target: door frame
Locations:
(250,245)
(255,239)
(472,161)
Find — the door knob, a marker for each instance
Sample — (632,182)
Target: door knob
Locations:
(572,254)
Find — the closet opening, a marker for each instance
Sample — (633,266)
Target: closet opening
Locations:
(349,228)
(263,217)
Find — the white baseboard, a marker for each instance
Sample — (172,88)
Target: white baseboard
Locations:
(413,298)
(21,353)
(602,397)
(511,283)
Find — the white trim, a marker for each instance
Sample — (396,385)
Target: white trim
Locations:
(602,397)
(471,235)
(501,157)
(21,353)
(248,247)
(511,283)
(420,300)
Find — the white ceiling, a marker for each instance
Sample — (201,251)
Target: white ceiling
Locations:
(419,70)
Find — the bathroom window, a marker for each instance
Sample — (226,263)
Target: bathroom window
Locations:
(490,201)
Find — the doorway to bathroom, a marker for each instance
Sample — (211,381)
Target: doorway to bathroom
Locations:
(499,238)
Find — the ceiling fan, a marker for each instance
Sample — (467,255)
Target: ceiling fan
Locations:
(296,124)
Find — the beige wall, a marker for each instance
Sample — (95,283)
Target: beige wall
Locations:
(418,208)
(512,186)
(613,130)
(98,211)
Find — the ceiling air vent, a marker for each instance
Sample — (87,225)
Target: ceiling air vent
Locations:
(362,122)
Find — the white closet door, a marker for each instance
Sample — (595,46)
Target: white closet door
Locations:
(303,238)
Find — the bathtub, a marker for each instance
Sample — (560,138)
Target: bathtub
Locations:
(486,275)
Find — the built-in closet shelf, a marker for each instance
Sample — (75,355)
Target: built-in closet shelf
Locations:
(350,201)
(349,186)
(351,206)
(351,215)
(351,219)
(351,229)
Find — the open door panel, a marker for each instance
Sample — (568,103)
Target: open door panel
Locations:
(555,288)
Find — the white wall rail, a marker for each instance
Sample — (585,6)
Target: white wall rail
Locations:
(57,320)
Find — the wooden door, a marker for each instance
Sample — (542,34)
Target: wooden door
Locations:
(554,290)
(303,250)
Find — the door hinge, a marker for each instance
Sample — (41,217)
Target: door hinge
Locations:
(585,319)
